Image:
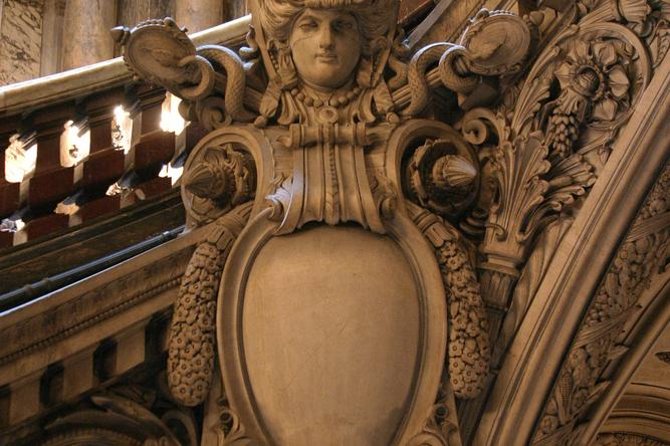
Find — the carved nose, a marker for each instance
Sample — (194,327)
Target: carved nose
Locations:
(326,38)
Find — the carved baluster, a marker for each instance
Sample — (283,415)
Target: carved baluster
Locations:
(151,149)
(11,177)
(105,164)
(51,182)
(156,146)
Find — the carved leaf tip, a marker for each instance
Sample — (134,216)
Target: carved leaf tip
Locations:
(203,181)
(454,171)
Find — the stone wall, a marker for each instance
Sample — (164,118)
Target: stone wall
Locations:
(20,40)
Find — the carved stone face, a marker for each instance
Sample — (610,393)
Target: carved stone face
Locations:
(326,46)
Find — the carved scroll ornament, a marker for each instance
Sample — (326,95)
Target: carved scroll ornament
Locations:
(316,131)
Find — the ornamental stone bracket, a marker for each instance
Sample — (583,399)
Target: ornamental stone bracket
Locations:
(441,245)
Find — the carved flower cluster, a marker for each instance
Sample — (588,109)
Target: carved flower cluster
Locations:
(594,85)
(193,336)
(191,350)
(469,351)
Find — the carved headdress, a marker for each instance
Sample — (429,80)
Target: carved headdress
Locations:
(375,17)
(274,19)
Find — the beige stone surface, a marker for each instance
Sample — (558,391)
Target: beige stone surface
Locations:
(20,40)
(86,80)
(332,342)
(52,37)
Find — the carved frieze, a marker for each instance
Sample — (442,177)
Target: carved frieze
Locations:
(598,341)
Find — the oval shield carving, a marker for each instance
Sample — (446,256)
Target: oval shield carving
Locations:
(331,335)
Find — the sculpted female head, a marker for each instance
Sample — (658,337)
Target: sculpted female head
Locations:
(326,46)
(327,38)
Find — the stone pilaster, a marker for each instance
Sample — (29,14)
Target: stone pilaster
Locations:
(197,15)
(87,39)
(20,39)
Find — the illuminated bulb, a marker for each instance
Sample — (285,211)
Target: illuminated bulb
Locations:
(19,161)
(171,120)
(122,129)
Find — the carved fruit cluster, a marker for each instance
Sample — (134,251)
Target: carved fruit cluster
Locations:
(469,351)
(562,134)
(192,343)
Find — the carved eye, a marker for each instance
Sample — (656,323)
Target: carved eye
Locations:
(342,26)
(308,25)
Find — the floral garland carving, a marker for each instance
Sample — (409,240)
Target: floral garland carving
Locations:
(192,345)
(468,349)
(598,342)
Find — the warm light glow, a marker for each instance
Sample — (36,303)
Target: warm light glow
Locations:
(171,120)
(122,129)
(75,145)
(19,161)
(174,173)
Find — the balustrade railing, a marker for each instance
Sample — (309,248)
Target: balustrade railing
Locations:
(89,142)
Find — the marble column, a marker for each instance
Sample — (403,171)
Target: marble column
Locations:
(86,39)
(197,15)
(20,40)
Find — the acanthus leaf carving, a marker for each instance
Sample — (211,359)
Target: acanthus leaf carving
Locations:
(545,154)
